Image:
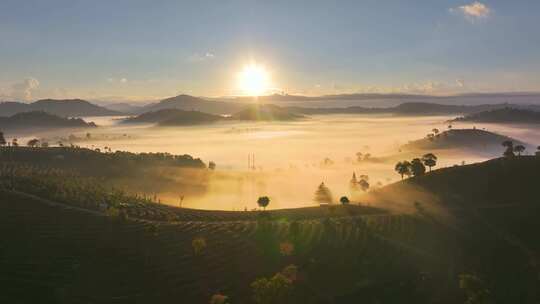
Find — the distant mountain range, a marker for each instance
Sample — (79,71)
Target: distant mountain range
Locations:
(504,115)
(41,120)
(400,104)
(64,108)
(191,103)
(176,117)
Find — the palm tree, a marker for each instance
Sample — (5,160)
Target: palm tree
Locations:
(519,149)
(403,168)
(263,201)
(429,160)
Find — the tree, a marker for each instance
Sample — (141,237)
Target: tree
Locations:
(353,184)
(475,289)
(538,151)
(364,185)
(263,201)
(344,200)
(403,168)
(14,142)
(519,149)
(429,160)
(2,140)
(273,290)
(509,152)
(33,142)
(212,165)
(323,195)
(417,167)
(435,131)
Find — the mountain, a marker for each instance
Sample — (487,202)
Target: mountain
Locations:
(466,139)
(65,108)
(191,103)
(410,108)
(123,107)
(41,120)
(265,112)
(174,117)
(504,115)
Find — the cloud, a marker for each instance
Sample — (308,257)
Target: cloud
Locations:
(473,11)
(122,80)
(201,57)
(23,90)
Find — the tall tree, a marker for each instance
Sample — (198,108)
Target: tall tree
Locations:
(323,195)
(519,149)
(509,152)
(429,160)
(2,140)
(403,168)
(417,167)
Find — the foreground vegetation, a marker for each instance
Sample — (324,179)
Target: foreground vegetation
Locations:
(87,242)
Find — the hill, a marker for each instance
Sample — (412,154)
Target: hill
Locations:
(65,108)
(191,103)
(174,117)
(258,112)
(41,120)
(81,248)
(504,115)
(465,139)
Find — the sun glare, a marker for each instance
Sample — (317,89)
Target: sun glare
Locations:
(254,80)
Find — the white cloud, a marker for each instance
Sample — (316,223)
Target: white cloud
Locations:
(473,11)
(122,80)
(197,57)
(23,90)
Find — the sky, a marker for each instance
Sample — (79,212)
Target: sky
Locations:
(140,50)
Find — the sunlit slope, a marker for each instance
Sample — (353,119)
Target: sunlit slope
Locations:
(55,253)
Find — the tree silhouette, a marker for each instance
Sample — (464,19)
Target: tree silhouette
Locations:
(2,140)
(417,167)
(403,168)
(344,200)
(263,201)
(429,160)
(212,165)
(538,151)
(323,195)
(364,184)
(435,131)
(33,143)
(519,149)
(509,152)
(353,184)
(14,142)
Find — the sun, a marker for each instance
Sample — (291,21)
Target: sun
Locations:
(254,80)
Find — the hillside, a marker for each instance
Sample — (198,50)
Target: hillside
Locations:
(174,117)
(65,108)
(258,112)
(464,139)
(41,120)
(504,115)
(65,252)
(191,103)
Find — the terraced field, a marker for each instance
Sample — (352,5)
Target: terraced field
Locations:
(53,252)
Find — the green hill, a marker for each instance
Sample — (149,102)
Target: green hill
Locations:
(464,139)
(505,115)
(174,117)
(72,252)
(41,120)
